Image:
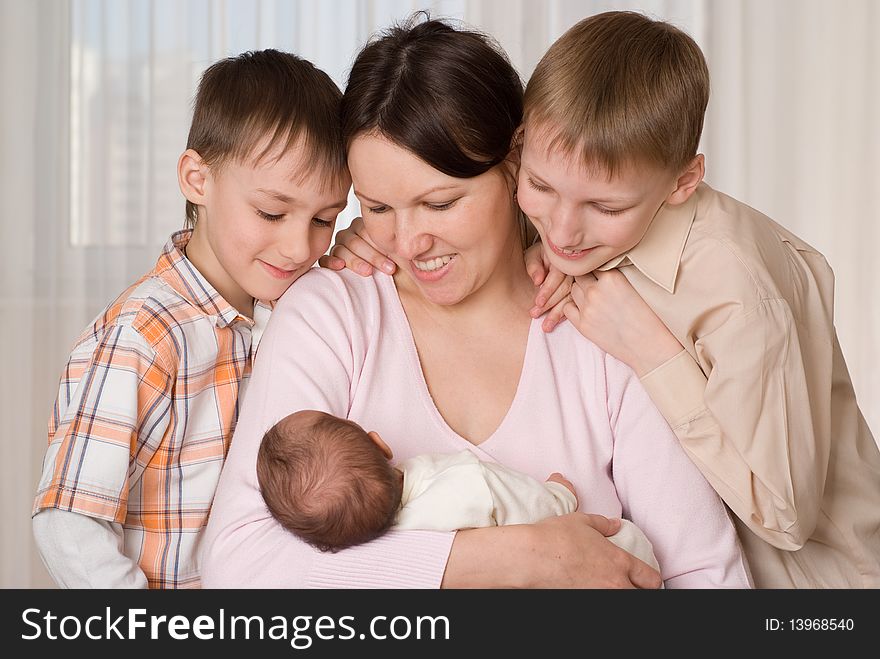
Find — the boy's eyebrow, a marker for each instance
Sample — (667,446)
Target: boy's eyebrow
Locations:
(533,175)
(438,188)
(275,194)
(592,200)
(286,199)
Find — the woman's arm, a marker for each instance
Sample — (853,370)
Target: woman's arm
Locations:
(569,551)
(665,494)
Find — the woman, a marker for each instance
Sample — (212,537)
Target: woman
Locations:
(444,356)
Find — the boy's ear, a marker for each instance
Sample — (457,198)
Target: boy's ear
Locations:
(688,180)
(511,162)
(191,176)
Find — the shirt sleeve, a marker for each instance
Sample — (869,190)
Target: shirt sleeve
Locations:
(116,415)
(665,495)
(84,552)
(749,426)
(309,358)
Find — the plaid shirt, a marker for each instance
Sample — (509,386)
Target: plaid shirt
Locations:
(145,413)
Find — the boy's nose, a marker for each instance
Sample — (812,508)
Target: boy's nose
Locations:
(295,245)
(565,228)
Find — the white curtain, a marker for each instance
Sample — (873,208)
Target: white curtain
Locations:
(96,104)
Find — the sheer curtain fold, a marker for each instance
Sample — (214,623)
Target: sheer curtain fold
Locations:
(102,99)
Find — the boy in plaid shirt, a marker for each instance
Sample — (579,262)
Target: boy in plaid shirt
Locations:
(150,396)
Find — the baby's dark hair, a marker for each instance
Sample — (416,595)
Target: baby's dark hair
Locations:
(326,481)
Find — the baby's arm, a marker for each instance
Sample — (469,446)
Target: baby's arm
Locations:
(84,552)
(520,499)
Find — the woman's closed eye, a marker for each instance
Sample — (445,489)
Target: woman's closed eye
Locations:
(441,206)
(322,224)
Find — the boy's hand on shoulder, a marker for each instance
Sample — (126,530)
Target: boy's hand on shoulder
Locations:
(606,309)
(553,288)
(353,250)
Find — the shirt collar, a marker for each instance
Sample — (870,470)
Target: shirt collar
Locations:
(179,273)
(658,254)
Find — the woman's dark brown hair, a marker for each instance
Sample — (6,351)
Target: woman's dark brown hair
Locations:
(450,96)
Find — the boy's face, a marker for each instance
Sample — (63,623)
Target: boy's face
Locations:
(265,224)
(585,218)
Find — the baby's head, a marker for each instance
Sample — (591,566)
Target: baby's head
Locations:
(613,115)
(327,480)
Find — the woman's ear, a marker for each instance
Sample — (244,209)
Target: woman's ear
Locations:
(191,176)
(688,180)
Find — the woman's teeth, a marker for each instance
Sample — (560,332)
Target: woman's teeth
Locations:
(432,264)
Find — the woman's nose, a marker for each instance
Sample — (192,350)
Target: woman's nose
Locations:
(410,236)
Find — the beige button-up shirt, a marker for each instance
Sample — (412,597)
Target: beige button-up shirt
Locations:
(760,397)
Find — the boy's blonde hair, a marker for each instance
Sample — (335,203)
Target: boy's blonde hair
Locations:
(620,88)
(249,104)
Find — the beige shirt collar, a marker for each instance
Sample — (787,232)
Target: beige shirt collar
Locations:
(658,253)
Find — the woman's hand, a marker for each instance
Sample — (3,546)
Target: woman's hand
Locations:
(353,250)
(553,290)
(606,309)
(569,551)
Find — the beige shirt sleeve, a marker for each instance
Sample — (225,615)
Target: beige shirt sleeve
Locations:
(770,460)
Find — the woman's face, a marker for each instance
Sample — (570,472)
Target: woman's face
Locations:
(449,236)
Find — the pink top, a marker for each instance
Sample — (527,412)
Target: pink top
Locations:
(341,343)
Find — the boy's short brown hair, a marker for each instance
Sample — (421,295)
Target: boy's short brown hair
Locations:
(260,100)
(619,88)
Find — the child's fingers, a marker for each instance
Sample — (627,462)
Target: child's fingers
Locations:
(331,262)
(556,287)
(571,311)
(352,261)
(555,315)
(577,292)
(355,250)
(535,267)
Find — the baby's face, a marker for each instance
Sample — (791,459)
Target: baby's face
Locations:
(584,216)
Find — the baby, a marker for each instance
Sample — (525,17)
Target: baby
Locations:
(332,484)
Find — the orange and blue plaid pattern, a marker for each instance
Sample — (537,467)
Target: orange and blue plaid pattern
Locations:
(145,412)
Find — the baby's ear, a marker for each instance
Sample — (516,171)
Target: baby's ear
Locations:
(191,175)
(378,441)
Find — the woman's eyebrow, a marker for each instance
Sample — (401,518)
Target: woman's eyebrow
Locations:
(439,188)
